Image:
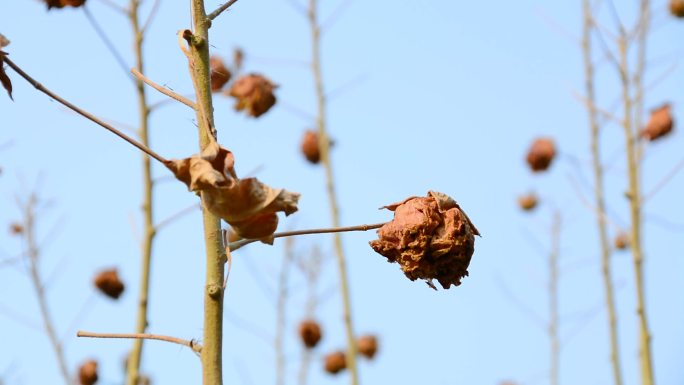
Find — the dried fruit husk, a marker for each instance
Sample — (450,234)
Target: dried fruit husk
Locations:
(220,74)
(430,238)
(528,202)
(310,148)
(310,333)
(660,123)
(335,362)
(64,3)
(87,373)
(254,94)
(109,283)
(367,346)
(541,154)
(677,8)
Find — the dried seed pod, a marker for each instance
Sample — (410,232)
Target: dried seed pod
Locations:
(4,42)
(621,241)
(541,154)
(310,147)
(87,373)
(677,8)
(220,74)
(109,283)
(430,238)
(528,202)
(660,123)
(64,3)
(310,333)
(254,94)
(16,229)
(367,346)
(335,362)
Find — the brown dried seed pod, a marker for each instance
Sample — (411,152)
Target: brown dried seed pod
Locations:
(528,202)
(310,333)
(430,238)
(64,3)
(310,147)
(238,58)
(254,94)
(220,74)
(109,283)
(677,8)
(541,154)
(16,229)
(621,241)
(660,123)
(87,373)
(367,346)
(335,362)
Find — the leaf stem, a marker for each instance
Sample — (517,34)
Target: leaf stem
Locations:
(197,348)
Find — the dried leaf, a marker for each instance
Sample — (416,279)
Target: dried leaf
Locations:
(4,79)
(254,94)
(248,205)
(660,123)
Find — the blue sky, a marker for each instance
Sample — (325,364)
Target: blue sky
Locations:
(428,95)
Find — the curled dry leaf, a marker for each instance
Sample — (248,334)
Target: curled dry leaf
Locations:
(677,8)
(64,3)
(430,238)
(335,362)
(310,333)
(254,94)
(541,153)
(4,79)
(220,74)
(660,123)
(87,373)
(109,283)
(248,205)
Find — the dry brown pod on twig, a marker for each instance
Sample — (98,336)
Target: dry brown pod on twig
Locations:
(87,373)
(254,94)
(541,154)
(64,3)
(335,362)
(660,123)
(310,333)
(219,73)
(430,238)
(109,283)
(528,202)
(367,346)
(677,8)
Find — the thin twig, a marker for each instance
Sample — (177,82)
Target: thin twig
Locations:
(335,15)
(242,242)
(220,9)
(663,182)
(553,297)
(281,308)
(167,221)
(150,16)
(83,113)
(599,195)
(194,346)
(105,39)
(115,6)
(33,255)
(163,90)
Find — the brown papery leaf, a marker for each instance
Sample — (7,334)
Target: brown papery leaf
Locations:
(248,205)
(4,79)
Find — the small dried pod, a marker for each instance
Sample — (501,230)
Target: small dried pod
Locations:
(109,283)
(87,373)
(677,8)
(310,333)
(16,229)
(660,123)
(621,241)
(220,74)
(367,346)
(430,238)
(238,59)
(4,42)
(528,202)
(541,154)
(310,148)
(254,94)
(335,362)
(64,3)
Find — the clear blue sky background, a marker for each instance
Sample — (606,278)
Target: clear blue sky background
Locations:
(433,95)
